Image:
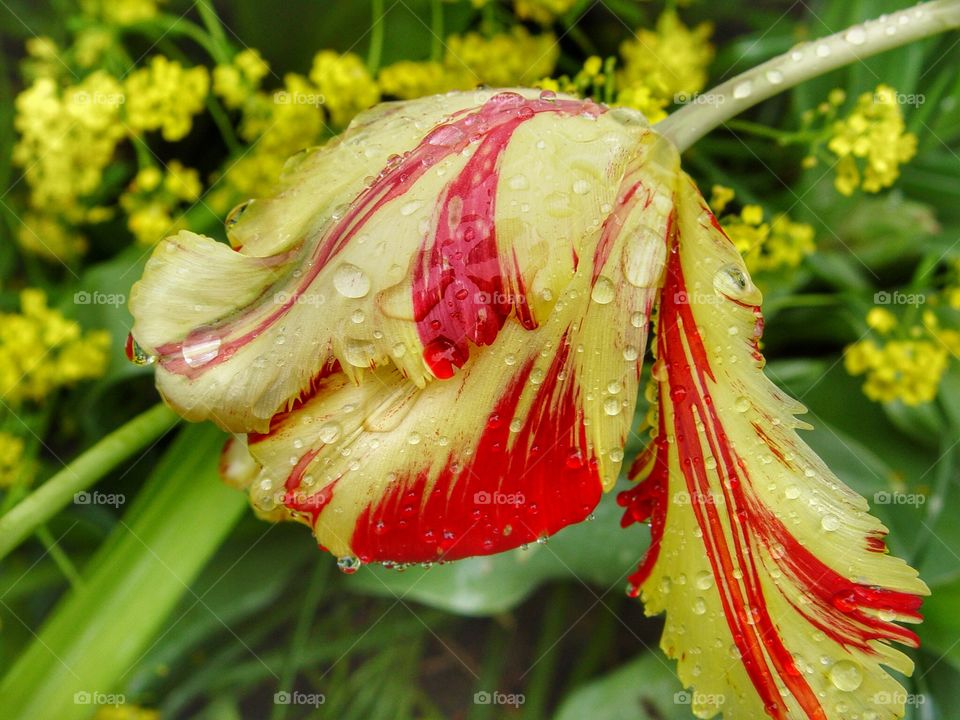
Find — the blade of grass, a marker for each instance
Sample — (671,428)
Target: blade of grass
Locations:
(99,631)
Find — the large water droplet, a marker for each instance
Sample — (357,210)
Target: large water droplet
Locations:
(856,36)
(733,282)
(348,564)
(136,354)
(846,675)
(200,347)
(603,290)
(359,353)
(329,432)
(350,281)
(612,406)
(704,580)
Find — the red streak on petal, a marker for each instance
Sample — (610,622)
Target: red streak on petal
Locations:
(462,290)
(513,489)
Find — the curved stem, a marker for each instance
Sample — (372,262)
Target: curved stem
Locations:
(51,497)
(809,60)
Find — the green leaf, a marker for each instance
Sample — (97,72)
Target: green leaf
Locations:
(643,689)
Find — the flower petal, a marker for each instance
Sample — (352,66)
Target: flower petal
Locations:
(367,258)
(780,597)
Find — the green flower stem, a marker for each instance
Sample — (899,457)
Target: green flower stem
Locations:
(51,497)
(99,631)
(222,49)
(806,61)
(436,30)
(376,36)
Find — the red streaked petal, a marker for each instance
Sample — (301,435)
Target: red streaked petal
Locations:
(776,602)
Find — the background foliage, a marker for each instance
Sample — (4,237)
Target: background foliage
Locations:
(240,610)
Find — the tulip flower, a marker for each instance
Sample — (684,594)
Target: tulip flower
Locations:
(428,344)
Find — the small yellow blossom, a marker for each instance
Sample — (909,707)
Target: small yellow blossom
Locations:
(670,60)
(905,370)
(345,85)
(41,350)
(875,134)
(125,712)
(642,98)
(720,197)
(165,96)
(91,45)
(541,11)
(11,454)
(153,197)
(43,59)
(881,320)
(511,58)
(235,82)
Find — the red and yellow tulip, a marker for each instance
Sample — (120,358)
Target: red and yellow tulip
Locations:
(428,344)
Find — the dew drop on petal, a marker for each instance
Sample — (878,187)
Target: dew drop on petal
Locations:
(856,36)
(732,281)
(350,281)
(830,523)
(348,564)
(200,347)
(518,182)
(581,187)
(603,290)
(630,353)
(616,455)
(774,77)
(704,580)
(611,406)
(359,353)
(846,675)
(741,404)
(329,432)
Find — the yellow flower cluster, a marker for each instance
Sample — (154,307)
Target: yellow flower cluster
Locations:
(11,453)
(153,196)
(765,246)
(871,143)
(512,58)
(236,82)
(907,370)
(591,81)
(346,86)
(408,79)
(541,11)
(67,138)
(664,65)
(41,350)
(125,712)
(165,96)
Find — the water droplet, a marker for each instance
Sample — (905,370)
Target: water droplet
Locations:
(743,90)
(741,404)
(510,359)
(638,319)
(234,215)
(612,406)
(823,50)
(348,564)
(614,387)
(518,182)
(846,675)
(410,208)
(581,187)
(792,492)
(603,290)
(536,376)
(359,353)
(856,36)
(398,350)
(414,438)
(357,317)
(200,347)
(774,77)
(329,432)
(350,281)
(630,353)
(699,606)
(704,580)
(616,455)
(830,523)
(731,281)
(136,354)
